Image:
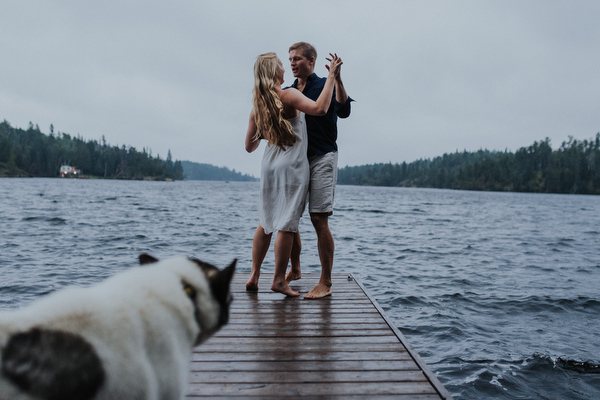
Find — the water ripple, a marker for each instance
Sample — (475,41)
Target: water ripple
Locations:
(498,292)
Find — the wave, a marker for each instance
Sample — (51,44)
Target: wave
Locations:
(539,360)
(53,221)
(368,211)
(537,304)
(538,376)
(567,305)
(584,367)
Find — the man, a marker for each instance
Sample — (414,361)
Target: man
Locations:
(322,156)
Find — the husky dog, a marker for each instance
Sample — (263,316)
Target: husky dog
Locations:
(129,337)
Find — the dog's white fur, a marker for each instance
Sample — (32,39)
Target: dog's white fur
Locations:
(141,323)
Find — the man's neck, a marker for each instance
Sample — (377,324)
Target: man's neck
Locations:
(302,82)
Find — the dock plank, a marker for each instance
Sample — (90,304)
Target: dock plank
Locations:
(342,346)
(320,365)
(301,356)
(308,389)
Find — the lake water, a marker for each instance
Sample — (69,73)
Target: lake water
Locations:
(498,292)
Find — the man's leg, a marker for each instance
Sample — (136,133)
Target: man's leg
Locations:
(323,178)
(326,248)
(260,246)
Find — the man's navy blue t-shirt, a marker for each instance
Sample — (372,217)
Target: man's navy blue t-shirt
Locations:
(322,131)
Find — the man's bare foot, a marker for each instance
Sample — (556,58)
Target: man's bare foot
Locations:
(321,290)
(252,284)
(284,288)
(293,276)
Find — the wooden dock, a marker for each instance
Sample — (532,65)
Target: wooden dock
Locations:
(340,347)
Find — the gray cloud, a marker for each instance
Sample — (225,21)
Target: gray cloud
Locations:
(429,77)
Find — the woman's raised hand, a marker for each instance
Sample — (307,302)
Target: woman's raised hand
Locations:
(335,64)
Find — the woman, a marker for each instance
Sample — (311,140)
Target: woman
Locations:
(278,117)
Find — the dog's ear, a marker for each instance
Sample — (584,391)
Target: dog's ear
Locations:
(146,259)
(209,270)
(220,281)
(220,286)
(229,271)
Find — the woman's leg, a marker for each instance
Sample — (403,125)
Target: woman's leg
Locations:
(295,272)
(260,246)
(283,249)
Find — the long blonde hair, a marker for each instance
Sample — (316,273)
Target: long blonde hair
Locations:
(268,108)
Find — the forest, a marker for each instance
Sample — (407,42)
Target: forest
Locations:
(572,168)
(208,172)
(33,153)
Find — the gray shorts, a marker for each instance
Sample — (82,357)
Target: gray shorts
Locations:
(323,177)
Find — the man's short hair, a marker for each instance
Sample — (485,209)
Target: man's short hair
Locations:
(307,50)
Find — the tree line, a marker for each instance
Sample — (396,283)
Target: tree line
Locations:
(208,172)
(572,168)
(32,153)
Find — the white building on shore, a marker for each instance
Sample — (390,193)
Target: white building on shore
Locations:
(66,171)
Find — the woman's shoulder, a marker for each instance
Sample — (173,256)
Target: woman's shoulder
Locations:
(287,96)
(291,96)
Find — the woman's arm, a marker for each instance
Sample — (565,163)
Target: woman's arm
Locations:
(293,97)
(251,143)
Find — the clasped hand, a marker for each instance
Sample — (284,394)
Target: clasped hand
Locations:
(335,64)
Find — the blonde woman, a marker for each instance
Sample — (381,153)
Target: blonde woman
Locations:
(278,117)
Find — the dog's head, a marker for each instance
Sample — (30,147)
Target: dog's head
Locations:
(209,294)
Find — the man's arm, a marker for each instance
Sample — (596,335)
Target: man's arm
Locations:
(342,98)
(340,92)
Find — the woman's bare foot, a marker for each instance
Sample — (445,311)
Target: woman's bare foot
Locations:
(293,276)
(252,284)
(321,290)
(284,288)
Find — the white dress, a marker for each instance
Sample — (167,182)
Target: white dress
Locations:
(284,180)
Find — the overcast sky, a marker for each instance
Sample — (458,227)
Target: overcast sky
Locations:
(428,77)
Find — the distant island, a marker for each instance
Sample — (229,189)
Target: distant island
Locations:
(31,153)
(573,168)
(208,172)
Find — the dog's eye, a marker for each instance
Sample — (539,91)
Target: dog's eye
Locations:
(190,291)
